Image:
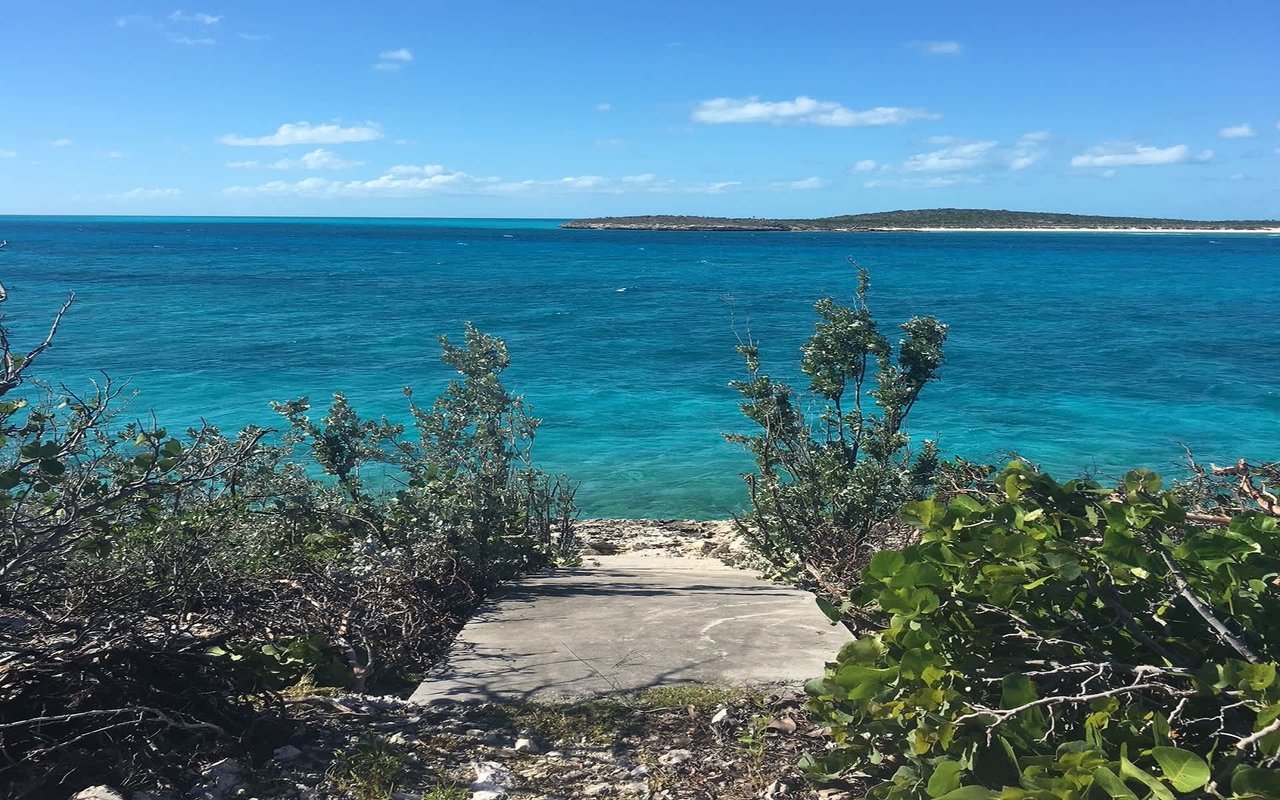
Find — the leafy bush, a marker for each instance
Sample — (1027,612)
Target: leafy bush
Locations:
(157,591)
(1062,641)
(827,489)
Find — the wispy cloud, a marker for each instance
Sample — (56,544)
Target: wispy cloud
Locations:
(61,142)
(8,153)
(306,133)
(1244,131)
(409,180)
(604,106)
(939,48)
(254,37)
(866,165)
(1122,154)
(802,111)
(145,194)
(393,60)
(612,144)
(178,27)
(932,182)
(965,156)
(112,154)
(317,159)
(200,17)
(800,185)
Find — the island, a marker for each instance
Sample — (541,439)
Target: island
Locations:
(930,219)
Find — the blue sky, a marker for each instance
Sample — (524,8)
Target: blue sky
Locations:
(560,109)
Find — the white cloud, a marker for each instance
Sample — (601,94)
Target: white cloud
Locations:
(933,182)
(800,185)
(199,17)
(943,48)
(306,133)
(609,144)
(8,153)
(1137,155)
(1244,131)
(145,194)
(1027,150)
(61,142)
(315,160)
(604,106)
(961,156)
(393,60)
(408,180)
(193,41)
(956,158)
(802,111)
(254,37)
(865,165)
(113,154)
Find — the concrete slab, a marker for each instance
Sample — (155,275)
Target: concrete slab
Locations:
(629,622)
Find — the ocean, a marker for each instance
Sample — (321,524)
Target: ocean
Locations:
(1083,352)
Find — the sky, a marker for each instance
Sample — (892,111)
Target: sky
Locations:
(569,109)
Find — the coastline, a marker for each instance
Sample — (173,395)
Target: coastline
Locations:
(1073,230)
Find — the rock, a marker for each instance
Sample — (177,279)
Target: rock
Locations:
(526,745)
(673,757)
(474,733)
(634,789)
(640,771)
(495,738)
(224,776)
(97,793)
(285,754)
(597,790)
(720,716)
(492,781)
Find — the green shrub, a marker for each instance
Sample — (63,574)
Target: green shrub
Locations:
(1062,641)
(827,489)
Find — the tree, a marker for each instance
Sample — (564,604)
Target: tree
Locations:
(827,489)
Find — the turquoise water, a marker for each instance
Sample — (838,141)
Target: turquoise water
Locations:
(1081,351)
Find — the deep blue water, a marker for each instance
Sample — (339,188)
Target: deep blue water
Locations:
(1081,351)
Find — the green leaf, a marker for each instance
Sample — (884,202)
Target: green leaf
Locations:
(1110,783)
(1182,768)
(828,609)
(885,564)
(969,793)
(1256,782)
(945,778)
(1158,790)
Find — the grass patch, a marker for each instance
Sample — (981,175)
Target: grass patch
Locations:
(700,697)
(454,792)
(370,770)
(606,719)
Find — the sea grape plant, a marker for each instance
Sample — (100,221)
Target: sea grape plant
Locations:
(825,482)
(1062,642)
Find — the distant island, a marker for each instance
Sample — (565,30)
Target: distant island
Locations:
(931,219)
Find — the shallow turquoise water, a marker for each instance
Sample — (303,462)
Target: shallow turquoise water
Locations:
(1081,351)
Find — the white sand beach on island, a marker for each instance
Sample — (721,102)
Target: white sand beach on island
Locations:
(1079,230)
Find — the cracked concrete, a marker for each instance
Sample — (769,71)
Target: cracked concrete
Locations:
(630,622)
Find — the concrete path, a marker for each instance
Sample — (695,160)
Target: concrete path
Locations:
(630,622)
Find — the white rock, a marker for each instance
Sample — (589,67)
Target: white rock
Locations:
(97,793)
(286,753)
(525,745)
(720,716)
(596,790)
(492,780)
(673,757)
